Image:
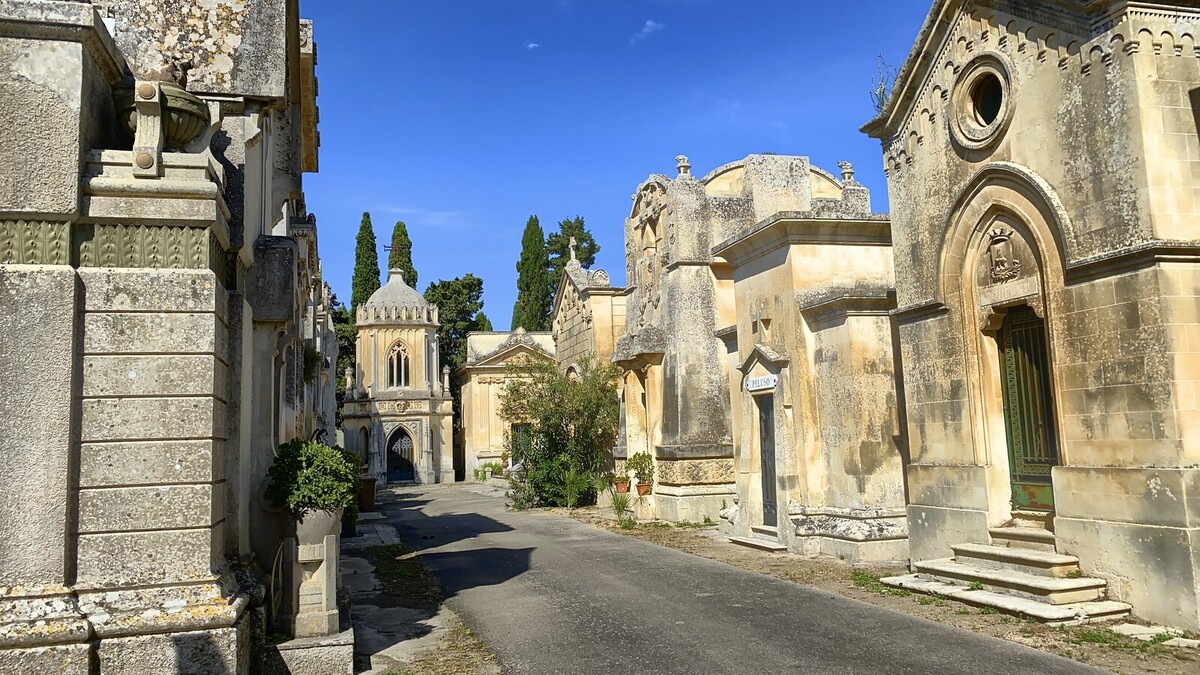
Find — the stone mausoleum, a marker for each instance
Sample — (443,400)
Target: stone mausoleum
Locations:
(1043,164)
(165,328)
(398,413)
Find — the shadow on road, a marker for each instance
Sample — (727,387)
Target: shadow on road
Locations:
(392,627)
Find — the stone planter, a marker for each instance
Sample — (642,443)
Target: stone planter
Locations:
(314,525)
(184,115)
(366,494)
(644,489)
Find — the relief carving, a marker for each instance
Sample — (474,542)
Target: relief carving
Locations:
(1004,264)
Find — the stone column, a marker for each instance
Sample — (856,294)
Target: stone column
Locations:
(57,63)
(152,574)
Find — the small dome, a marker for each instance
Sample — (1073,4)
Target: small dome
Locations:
(396,293)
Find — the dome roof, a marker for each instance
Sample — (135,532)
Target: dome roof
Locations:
(396,293)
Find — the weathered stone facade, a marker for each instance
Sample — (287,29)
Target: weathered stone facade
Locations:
(589,316)
(817,442)
(485,434)
(1042,167)
(398,413)
(158,294)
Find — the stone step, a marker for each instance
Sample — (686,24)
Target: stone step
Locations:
(765,531)
(1055,615)
(1041,520)
(1031,538)
(759,543)
(1049,590)
(1038,563)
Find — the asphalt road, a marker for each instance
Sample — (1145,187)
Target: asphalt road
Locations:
(552,595)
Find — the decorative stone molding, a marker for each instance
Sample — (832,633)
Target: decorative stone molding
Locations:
(34,242)
(696,472)
(149,246)
(850,524)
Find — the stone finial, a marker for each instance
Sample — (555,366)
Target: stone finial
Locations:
(847,172)
(349,375)
(684,165)
(572,246)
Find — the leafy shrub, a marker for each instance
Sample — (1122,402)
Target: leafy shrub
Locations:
(311,475)
(568,428)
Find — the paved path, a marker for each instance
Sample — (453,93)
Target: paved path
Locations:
(553,595)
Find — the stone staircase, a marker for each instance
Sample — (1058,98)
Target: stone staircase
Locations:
(1019,573)
(763,538)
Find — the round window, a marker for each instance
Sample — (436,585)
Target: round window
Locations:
(981,102)
(987,97)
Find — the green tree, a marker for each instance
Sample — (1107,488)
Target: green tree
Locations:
(347,337)
(366,265)
(572,425)
(532,310)
(459,302)
(482,323)
(400,257)
(558,247)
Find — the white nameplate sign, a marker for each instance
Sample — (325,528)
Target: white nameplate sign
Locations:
(762,383)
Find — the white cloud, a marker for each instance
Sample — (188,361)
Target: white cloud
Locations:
(649,28)
(532,45)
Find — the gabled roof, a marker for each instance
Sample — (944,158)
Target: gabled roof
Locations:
(938,26)
(763,354)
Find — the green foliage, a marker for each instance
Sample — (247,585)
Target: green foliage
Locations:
(575,484)
(311,475)
(496,467)
(620,505)
(482,323)
(881,85)
(400,257)
(459,302)
(642,464)
(346,334)
(532,309)
(366,264)
(975,586)
(312,363)
(572,427)
(558,250)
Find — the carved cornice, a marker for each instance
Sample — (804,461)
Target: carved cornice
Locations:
(146,246)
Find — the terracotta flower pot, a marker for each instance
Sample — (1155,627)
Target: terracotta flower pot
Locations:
(621,485)
(314,525)
(184,115)
(645,488)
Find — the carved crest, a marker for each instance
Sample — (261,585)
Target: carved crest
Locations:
(1004,265)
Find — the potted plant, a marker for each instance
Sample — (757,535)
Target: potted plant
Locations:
(642,465)
(620,483)
(315,482)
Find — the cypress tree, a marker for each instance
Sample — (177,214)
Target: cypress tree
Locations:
(401,254)
(482,323)
(532,311)
(366,265)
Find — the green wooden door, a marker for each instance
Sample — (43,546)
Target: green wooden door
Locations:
(1028,409)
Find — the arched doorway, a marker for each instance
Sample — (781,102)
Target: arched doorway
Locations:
(400,457)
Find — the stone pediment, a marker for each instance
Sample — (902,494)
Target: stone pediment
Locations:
(956,32)
(762,355)
(520,342)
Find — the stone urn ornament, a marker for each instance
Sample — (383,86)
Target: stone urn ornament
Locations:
(316,483)
(184,115)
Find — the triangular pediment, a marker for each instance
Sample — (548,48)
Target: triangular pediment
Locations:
(764,358)
(955,31)
(502,356)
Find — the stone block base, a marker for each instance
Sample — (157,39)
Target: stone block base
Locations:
(888,550)
(676,504)
(223,651)
(332,655)
(61,660)
(932,530)
(1156,569)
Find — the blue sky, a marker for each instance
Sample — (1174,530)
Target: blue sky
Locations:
(464,117)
